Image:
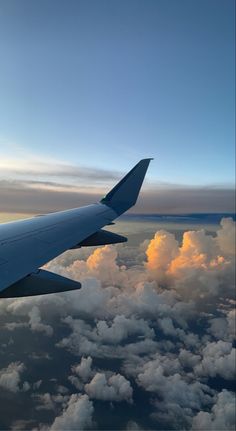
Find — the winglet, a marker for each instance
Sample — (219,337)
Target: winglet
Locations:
(124,195)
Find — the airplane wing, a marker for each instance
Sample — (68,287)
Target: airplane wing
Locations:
(26,245)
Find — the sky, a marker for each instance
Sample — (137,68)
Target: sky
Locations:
(98,85)
(105,83)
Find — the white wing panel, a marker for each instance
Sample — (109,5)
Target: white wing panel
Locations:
(27,245)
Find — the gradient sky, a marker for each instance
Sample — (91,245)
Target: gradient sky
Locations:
(105,83)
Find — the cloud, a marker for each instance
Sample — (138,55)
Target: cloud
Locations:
(223,328)
(163,377)
(221,416)
(42,196)
(188,199)
(36,323)
(34,184)
(201,261)
(77,415)
(10,377)
(226,236)
(114,388)
(46,401)
(133,426)
(177,394)
(21,197)
(82,372)
(162,249)
(121,328)
(218,358)
(35,167)
(83,369)
(153,323)
(20,425)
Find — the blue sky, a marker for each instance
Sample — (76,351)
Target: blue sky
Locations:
(105,83)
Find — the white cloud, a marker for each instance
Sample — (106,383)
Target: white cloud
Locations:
(47,401)
(10,377)
(82,372)
(218,358)
(83,369)
(77,415)
(165,380)
(162,249)
(188,359)
(114,388)
(36,323)
(226,236)
(220,418)
(122,327)
(200,262)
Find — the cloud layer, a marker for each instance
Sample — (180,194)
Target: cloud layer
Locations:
(23,196)
(34,185)
(151,329)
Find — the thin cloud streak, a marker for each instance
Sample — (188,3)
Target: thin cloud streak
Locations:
(36,197)
(28,169)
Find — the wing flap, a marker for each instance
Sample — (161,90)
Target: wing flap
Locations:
(101,237)
(40,283)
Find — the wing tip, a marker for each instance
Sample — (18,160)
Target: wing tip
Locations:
(124,195)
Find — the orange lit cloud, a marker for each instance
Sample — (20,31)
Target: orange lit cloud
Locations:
(200,261)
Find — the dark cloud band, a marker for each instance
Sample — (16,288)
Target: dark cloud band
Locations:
(45,196)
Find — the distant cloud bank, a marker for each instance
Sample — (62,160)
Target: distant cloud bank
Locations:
(37,196)
(37,185)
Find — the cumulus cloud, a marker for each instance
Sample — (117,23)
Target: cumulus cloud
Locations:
(36,323)
(82,372)
(10,377)
(114,388)
(199,266)
(176,393)
(163,377)
(226,236)
(218,358)
(47,401)
(221,417)
(83,369)
(162,249)
(77,415)
(122,327)
(223,328)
